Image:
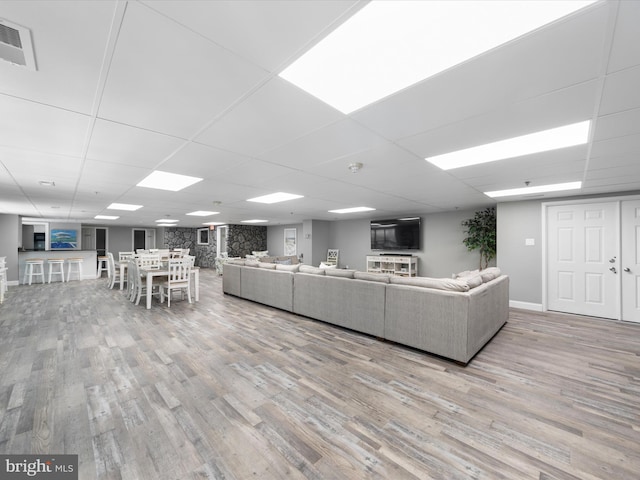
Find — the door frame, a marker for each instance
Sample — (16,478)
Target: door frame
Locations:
(545,206)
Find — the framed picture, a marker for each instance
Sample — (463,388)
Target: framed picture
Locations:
(289,241)
(203,236)
(64,239)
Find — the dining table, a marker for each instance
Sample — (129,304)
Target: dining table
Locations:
(163,271)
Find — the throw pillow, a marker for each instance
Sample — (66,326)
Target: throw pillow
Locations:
(312,270)
(283,262)
(288,268)
(326,265)
(267,265)
(489,274)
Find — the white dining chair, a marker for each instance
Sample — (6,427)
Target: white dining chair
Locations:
(179,278)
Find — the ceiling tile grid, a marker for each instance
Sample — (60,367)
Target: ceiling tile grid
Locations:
(192,87)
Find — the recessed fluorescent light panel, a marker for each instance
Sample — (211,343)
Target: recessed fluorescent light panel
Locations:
(214,223)
(389,45)
(168,181)
(544,141)
(352,210)
(275,197)
(254,221)
(202,213)
(106,217)
(557,187)
(124,206)
(167,220)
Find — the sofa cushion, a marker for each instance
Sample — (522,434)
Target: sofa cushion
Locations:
(472,280)
(372,277)
(236,261)
(450,284)
(288,268)
(338,272)
(466,273)
(312,270)
(267,265)
(251,263)
(489,274)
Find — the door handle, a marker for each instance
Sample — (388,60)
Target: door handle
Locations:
(628,270)
(613,269)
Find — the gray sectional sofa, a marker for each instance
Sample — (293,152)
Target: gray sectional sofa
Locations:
(453,318)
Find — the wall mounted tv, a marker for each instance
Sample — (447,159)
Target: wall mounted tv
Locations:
(396,234)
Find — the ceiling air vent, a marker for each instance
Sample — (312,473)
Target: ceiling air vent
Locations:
(15,45)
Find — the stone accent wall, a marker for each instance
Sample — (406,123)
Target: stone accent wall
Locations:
(244,239)
(187,238)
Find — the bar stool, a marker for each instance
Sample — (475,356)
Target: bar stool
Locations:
(77,263)
(31,271)
(103,266)
(59,263)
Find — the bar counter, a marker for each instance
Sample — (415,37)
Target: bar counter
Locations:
(88,267)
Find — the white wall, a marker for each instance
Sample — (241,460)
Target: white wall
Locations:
(442,252)
(10,228)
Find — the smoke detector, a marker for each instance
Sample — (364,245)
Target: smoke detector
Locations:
(355,167)
(15,45)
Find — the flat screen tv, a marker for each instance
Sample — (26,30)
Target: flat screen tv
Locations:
(396,234)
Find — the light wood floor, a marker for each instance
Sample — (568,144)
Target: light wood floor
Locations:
(231,389)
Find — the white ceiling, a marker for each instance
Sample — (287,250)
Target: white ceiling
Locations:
(192,87)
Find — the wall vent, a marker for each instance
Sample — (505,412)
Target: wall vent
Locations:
(15,45)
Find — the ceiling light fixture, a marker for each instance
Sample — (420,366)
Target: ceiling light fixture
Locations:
(352,210)
(124,206)
(215,223)
(47,183)
(106,217)
(558,187)
(543,141)
(388,46)
(275,197)
(167,220)
(168,181)
(166,225)
(254,221)
(202,213)
(355,167)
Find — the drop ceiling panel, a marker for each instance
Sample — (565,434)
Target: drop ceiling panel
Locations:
(276,114)
(536,64)
(167,78)
(96,172)
(616,146)
(617,125)
(562,107)
(267,33)
(116,143)
(34,126)
(69,40)
(625,52)
(202,161)
(339,139)
(621,92)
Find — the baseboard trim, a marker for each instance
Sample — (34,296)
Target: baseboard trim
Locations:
(536,307)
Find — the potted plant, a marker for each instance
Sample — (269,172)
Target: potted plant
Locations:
(481,235)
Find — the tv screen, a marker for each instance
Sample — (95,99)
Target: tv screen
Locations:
(396,234)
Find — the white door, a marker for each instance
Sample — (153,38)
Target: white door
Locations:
(630,264)
(583,259)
